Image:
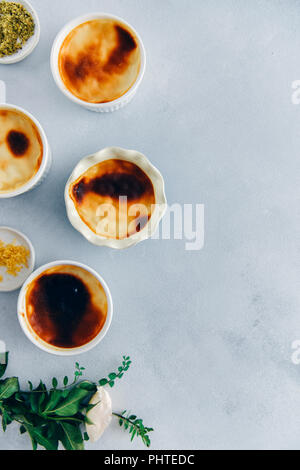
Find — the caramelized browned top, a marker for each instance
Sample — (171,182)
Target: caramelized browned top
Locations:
(100,60)
(21,149)
(116,178)
(18,142)
(108,184)
(66,306)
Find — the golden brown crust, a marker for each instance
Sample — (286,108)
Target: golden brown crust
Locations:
(66,306)
(99,61)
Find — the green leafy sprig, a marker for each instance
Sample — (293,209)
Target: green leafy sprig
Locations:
(58,415)
(135,427)
(113,376)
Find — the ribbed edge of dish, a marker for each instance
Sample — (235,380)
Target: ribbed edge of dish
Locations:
(152,172)
(112,108)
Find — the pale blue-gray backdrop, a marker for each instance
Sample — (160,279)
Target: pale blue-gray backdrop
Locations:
(209,332)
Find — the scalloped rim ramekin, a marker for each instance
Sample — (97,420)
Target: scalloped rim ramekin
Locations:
(43,171)
(32,42)
(97,107)
(33,337)
(151,171)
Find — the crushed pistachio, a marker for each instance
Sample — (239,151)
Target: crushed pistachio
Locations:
(13,257)
(16,27)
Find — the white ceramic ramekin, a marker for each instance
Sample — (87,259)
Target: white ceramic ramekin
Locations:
(33,337)
(43,171)
(97,107)
(159,188)
(31,44)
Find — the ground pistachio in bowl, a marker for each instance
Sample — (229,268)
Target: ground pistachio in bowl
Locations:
(16,27)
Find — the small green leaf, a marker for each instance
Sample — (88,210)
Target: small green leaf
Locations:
(33,440)
(66,380)
(54,382)
(147,441)
(89,386)
(37,435)
(53,399)
(53,430)
(70,405)
(8,387)
(65,392)
(71,437)
(103,382)
(22,429)
(36,399)
(6,420)
(90,407)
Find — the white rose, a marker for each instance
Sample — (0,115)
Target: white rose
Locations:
(100,415)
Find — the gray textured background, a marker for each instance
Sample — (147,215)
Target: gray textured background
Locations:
(209,332)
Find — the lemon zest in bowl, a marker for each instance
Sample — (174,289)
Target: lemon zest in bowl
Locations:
(13,257)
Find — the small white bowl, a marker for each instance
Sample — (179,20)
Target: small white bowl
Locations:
(32,42)
(159,189)
(97,107)
(35,339)
(11,283)
(43,171)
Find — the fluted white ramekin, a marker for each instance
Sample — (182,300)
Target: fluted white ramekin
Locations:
(159,189)
(43,171)
(97,107)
